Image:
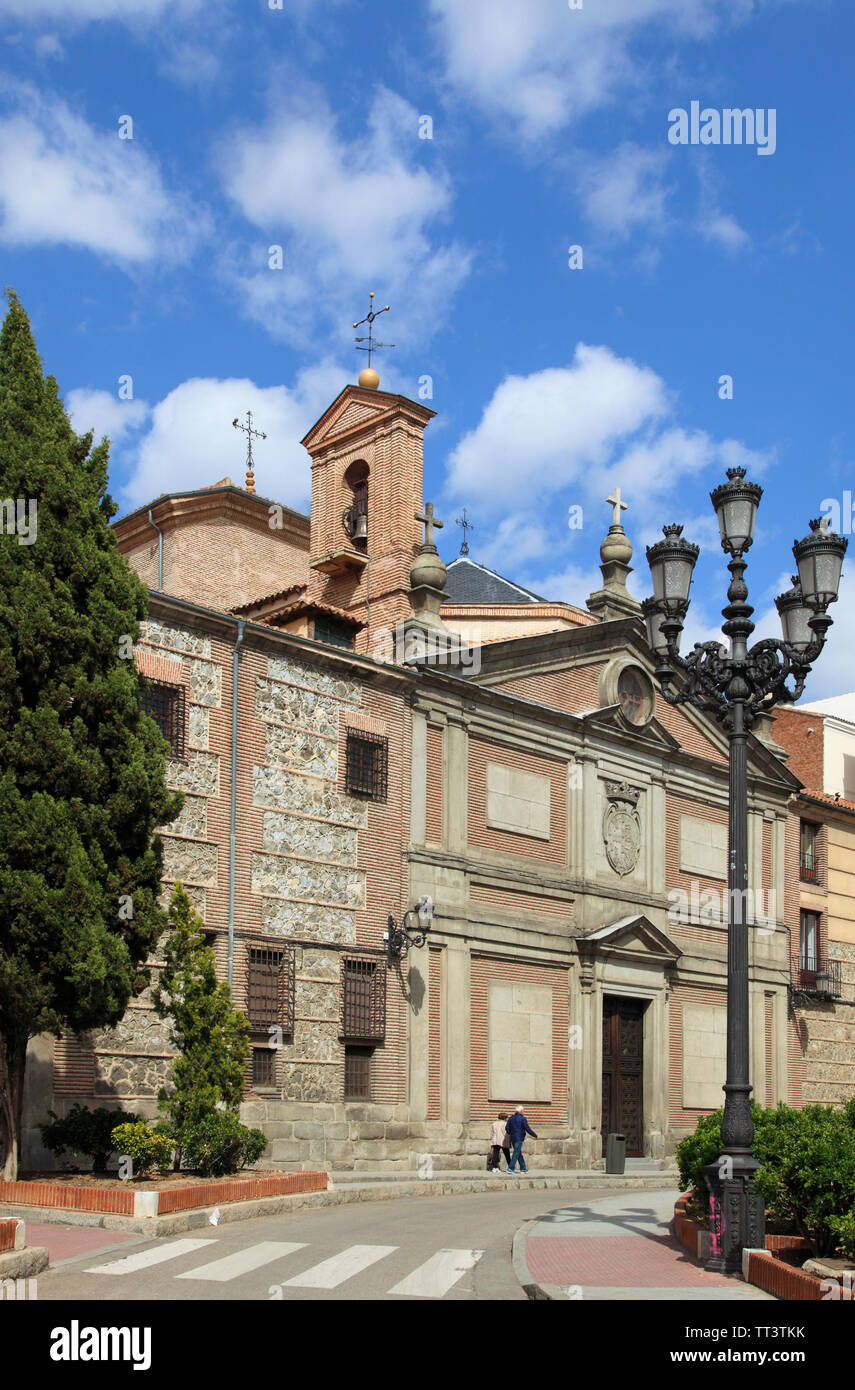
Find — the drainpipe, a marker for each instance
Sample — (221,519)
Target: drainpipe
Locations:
(153,523)
(241,625)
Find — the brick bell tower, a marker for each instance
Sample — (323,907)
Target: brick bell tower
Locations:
(367,462)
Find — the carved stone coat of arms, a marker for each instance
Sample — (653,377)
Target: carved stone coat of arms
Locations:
(622,827)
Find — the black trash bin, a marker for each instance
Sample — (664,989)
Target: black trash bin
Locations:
(616,1153)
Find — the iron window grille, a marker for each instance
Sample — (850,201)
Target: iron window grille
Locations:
(269,988)
(363,999)
(165,704)
(357,1073)
(808,856)
(367,765)
(262,1066)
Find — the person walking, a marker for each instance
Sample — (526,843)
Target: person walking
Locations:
(499,1143)
(518,1128)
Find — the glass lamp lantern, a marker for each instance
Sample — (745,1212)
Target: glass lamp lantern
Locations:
(736,503)
(671,562)
(820,560)
(795,616)
(654,616)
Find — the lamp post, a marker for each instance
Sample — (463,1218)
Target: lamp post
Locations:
(736,686)
(399,938)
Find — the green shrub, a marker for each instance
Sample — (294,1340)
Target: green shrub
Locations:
(843,1227)
(218,1144)
(87,1132)
(145,1147)
(807,1167)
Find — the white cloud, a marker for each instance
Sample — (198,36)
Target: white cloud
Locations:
(62,182)
(350,211)
(543,64)
(191,443)
(85,11)
(625,190)
(544,432)
(104,414)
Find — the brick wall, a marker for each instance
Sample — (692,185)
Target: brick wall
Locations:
(484,969)
(802,735)
(554,850)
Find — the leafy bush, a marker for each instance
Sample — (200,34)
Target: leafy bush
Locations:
(807,1172)
(83,1131)
(843,1227)
(146,1147)
(218,1144)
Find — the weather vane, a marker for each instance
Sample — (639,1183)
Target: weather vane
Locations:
(250,435)
(371,378)
(467,526)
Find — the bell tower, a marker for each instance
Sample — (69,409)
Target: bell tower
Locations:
(367,466)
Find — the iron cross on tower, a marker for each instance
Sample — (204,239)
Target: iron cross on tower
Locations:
(467,526)
(369,319)
(250,435)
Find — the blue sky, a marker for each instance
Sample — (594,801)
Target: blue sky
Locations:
(300,127)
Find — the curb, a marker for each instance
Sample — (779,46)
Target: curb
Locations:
(344,1195)
(19,1264)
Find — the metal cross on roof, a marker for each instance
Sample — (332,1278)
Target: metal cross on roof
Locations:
(430,522)
(369,319)
(250,435)
(467,526)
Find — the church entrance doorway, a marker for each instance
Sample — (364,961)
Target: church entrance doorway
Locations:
(623,1059)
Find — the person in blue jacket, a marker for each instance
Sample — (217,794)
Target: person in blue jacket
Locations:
(518,1128)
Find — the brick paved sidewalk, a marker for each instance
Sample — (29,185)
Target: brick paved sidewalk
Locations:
(619,1247)
(64,1242)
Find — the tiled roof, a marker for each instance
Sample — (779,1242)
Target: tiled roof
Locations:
(298,610)
(469,582)
(827,799)
(268,598)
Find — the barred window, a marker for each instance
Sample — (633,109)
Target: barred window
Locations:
(262,1066)
(357,1073)
(363,999)
(165,704)
(367,765)
(334,632)
(269,988)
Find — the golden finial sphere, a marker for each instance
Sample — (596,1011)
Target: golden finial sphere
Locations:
(369,379)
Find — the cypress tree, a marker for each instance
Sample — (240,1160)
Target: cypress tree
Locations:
(212,1037)
(82,770)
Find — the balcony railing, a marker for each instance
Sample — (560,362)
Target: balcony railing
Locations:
(819,977)
(809,868)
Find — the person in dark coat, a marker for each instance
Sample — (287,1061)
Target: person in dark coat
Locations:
(518,1128)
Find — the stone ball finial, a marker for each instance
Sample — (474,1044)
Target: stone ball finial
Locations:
(368,379)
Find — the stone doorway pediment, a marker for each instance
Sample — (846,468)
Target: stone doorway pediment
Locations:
(634,937)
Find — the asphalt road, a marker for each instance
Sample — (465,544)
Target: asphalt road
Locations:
(403,1250)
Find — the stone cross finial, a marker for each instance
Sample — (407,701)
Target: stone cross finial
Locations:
(430,521)
(618,506)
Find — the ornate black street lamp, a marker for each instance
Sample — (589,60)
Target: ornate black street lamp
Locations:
(399,939)
(736,686)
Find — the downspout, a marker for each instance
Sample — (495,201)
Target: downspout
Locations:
(153,523)
(233,812)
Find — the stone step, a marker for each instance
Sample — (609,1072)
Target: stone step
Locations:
(348,1178)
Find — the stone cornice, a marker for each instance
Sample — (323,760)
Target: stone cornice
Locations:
(231,503)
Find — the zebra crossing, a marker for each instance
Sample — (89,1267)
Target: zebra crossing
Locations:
(431,1279)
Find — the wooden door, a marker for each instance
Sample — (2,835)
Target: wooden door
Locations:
(623,1047)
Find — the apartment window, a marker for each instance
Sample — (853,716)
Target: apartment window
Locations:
(357,1073)
(367,765)
(808,943)
(262,1066)
(165,704)
(334,632)
(363,999)
(808,856)
(269,988)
